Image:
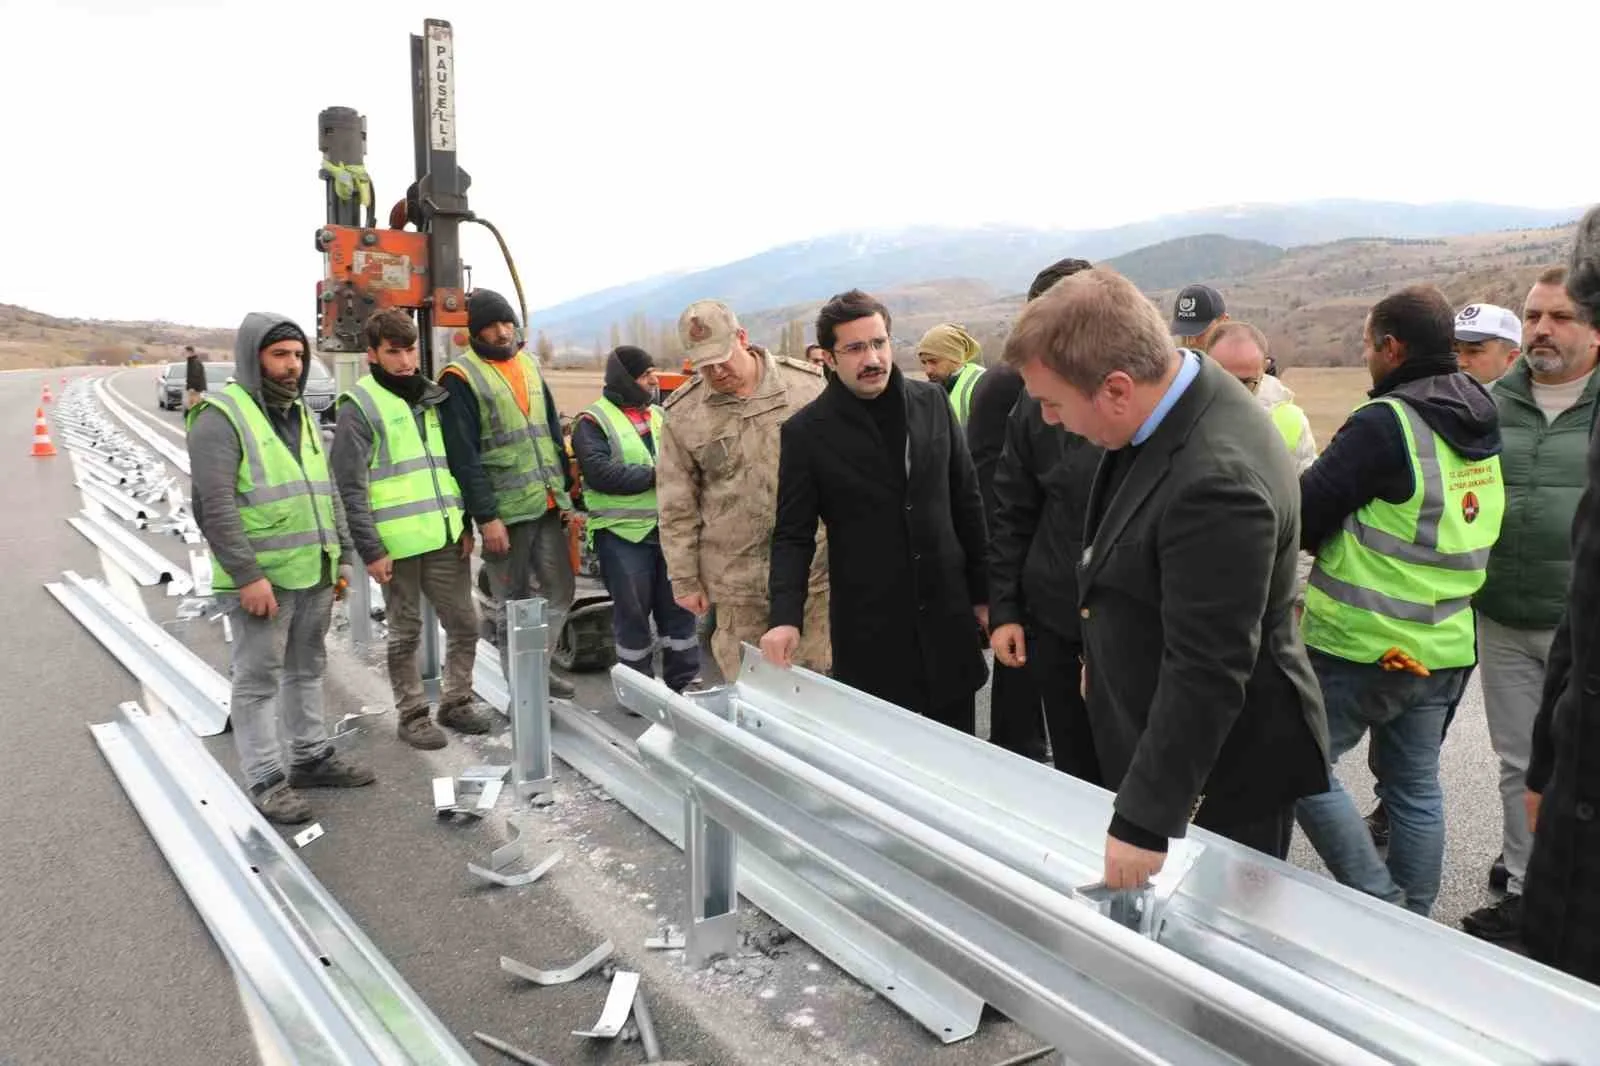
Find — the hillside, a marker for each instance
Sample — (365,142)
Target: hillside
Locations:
(28,338)
(1006,257)
(1311,300)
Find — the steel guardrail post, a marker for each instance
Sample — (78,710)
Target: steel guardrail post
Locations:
(527,638)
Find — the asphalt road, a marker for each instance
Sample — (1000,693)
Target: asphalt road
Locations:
(105,961)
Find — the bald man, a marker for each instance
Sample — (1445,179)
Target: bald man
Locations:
(1241,349)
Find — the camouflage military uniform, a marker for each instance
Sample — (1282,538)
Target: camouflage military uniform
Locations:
(717,492)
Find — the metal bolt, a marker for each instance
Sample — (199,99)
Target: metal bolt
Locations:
(451,303)
(324,236)
(327,296)
(369,238)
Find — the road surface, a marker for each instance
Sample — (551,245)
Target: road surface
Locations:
(105,961)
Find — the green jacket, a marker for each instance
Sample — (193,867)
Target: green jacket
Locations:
(1542,464)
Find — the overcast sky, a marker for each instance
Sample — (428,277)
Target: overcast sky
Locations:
(161,159)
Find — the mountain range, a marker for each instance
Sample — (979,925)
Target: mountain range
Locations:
(1006,258)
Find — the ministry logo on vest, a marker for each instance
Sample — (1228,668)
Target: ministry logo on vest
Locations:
(1469,507)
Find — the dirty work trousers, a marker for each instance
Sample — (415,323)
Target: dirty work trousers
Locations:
(538,548)
(278,665)
(1512,663)
(636,580)
(445,578)
(742,623)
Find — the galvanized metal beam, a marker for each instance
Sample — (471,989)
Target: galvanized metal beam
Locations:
(140,561)
(1062,970)
(611,760)
(179,678)
(326,993)
(1404,987)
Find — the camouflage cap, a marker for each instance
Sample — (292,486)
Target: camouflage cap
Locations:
(709,331)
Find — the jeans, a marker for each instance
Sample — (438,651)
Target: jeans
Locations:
(1512,662)
(278,665)
(445,578)
(636,580)
(538,547)
(1406,715)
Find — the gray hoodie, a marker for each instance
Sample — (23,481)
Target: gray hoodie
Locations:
(215,454)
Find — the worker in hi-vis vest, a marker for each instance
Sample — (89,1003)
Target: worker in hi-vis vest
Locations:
(949,356)
(266,506)
(408,525)
(504,439)
(614,440)
(1401,510)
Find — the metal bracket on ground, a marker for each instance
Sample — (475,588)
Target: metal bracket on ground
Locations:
(495,877)
(619,1004)
(352,725)
(562,975)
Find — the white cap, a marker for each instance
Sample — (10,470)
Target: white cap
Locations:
(1486,322)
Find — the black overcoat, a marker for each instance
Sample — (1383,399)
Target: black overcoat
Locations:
(1561,892)
(905,547)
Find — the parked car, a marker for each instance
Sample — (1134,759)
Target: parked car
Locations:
(321,391)
(170,385)
(319,395)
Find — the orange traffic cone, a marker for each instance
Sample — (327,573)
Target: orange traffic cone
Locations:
(41,436)
(46,393)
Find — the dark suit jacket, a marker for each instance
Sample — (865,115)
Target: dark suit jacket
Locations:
(905,550)
(1200,692)
(1561,893)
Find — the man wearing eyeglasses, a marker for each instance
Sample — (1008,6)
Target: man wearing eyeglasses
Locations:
(1242,350)
(717,483)
(881,462)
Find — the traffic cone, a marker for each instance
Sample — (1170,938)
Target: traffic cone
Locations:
(46,393)
(41,436)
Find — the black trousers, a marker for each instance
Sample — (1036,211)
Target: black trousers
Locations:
(1269,834)
(959,714)
(1016,713)
(1053,661)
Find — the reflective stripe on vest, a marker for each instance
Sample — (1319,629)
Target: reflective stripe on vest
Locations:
(416,505)
(961,395)
(629,517)
(285,502)
(1403,575)
(1291,424)
(516,450)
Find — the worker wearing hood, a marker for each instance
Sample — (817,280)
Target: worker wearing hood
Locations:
(949,356)
(614,440)
(265,503)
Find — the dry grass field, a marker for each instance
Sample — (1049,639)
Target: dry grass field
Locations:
(1326,393)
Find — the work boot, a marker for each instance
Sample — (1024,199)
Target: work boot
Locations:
(1378,825)
(279,803)
(415,729)
(1499,876)
(1498,922)
(463,718)
(561,688)
(330,770)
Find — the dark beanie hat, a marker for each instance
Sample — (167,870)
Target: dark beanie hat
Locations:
(485,307)
(283,331)
(634,360)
